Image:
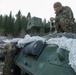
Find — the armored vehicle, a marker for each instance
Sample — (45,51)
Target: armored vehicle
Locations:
(49,60)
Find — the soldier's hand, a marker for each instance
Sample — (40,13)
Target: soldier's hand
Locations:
(52,19)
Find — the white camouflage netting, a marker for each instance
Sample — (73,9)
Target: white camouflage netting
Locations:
(28,39)
(68,44)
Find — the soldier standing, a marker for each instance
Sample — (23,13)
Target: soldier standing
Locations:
(64,19)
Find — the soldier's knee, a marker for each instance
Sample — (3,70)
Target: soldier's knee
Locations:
(64,21)
(65,24)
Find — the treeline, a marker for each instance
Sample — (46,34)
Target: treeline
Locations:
(13,26)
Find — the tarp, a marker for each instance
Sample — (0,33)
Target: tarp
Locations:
(28,39)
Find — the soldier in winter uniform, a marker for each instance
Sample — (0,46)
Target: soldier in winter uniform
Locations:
(64,19)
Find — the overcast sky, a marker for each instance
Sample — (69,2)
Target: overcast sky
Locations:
(38,8)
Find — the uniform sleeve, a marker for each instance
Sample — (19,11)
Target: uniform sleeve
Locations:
(66,14)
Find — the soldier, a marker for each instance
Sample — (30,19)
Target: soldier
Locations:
(64,19)
(10,68)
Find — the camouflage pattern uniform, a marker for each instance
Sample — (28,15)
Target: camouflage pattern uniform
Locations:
(9,62)
(65,21)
